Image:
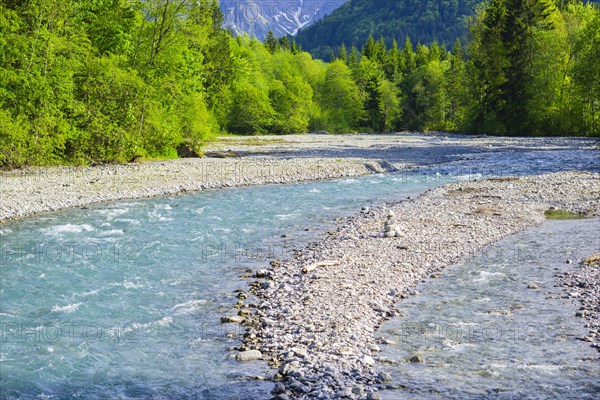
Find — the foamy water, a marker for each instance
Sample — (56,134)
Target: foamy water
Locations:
(69,308)
(67,228)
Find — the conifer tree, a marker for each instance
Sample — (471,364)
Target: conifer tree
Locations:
(457,88)
(380,52)
(344,53)
(295,48)
(369,49)
(392,65)
(354,58)
(502,56)
(284,43)
(332,56)
(271,42)
(407,58)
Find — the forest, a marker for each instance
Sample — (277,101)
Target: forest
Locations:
(114,80)
(442,21)
(427,21)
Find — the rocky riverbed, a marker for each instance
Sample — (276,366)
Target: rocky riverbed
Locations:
(242,161)
(316,316)
(583,284)
(37,190)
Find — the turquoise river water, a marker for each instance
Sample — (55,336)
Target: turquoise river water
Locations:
(123,300)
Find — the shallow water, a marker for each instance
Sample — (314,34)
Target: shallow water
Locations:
(123,300)
(482,333)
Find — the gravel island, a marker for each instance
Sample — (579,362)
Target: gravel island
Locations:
(317,315)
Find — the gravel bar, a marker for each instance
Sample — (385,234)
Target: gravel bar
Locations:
(27,192)
(317,315)
(257,161)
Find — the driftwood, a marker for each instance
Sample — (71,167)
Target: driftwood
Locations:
(592,259)
(313,266)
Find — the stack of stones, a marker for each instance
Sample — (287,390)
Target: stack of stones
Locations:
(390,229)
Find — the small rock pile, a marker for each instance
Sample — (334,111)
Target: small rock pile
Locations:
(390,228)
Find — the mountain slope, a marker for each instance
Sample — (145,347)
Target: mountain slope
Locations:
(282,17)
(422,21)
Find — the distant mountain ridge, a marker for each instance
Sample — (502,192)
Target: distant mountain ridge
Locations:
(283,17)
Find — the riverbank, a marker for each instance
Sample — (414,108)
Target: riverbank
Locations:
(250,161)
(35,191)
(318,314)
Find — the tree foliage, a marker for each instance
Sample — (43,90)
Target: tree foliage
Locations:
(106,80)
(528,57)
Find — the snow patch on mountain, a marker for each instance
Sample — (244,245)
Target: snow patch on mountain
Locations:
(283,17)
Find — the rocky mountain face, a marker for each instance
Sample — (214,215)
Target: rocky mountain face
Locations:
(283,17)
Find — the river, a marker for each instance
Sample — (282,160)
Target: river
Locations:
(123,300)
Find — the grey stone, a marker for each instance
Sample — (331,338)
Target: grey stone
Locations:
(279,388)
(233,319)
(249,355)
(371,395)
(384,376)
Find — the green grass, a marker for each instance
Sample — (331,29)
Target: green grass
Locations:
(562,214)
(251,141)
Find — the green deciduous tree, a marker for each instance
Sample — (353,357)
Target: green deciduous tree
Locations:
(114,103)
(110,25)
(340,99)
(290,94)
(41,50)
(103,80)
(251,111)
